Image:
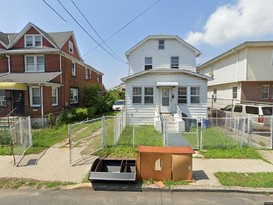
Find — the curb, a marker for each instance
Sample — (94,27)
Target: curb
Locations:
(153,188)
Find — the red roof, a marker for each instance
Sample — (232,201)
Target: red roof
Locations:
(172,150)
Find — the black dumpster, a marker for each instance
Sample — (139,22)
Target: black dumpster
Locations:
(113,170)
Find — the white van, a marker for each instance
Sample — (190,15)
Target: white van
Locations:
(118,105)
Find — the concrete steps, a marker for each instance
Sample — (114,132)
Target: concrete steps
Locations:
(171,124)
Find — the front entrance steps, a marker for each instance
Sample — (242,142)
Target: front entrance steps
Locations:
(171,124)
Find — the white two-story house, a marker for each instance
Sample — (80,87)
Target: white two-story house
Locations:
(241,74)
(162,79)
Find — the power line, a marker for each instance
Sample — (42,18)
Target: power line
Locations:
(115,33)
(93,27)
(54,11)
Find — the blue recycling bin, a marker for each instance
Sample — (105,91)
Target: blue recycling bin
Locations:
(206,123)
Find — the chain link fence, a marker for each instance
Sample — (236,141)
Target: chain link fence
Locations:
(21,138)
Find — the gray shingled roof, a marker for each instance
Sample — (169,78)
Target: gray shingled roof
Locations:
(4,38)
(30,78)
(60,37)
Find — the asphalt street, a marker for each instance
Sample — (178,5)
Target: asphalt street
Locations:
(67,197)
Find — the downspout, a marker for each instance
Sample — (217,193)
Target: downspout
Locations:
(42,104)
(8,56)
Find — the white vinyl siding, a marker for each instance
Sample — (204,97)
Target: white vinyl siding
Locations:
(161,58)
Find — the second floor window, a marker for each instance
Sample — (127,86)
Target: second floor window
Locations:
(234,92)
(148,63)
(33,41)
(98,78)
(86,73)
(73,69)
(34,64)
(265,92)
(90,74)
(161,44)
(174,62)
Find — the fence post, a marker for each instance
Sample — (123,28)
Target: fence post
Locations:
(133,130)
(103,131)
(29,131)
(201,135)
(70,144)
(271,132)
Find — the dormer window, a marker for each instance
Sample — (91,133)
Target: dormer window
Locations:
(70,45)
(33,41)
(161,44)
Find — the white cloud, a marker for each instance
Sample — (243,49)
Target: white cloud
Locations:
(245,19)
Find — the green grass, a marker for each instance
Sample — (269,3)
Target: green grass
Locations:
(16,183)
(256,180)
(235,153)
(144,135)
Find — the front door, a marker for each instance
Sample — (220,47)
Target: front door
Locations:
(18,102)
(165,100)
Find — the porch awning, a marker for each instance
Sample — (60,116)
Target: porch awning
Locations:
(12,86)
(166,84)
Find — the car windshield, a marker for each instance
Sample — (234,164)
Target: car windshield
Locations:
(267,110)
(120,102)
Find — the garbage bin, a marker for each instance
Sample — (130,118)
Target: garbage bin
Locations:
(206,123)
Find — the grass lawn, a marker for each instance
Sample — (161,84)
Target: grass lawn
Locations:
(144,135)
(256,180)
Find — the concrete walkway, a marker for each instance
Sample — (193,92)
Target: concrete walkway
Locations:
(53,165)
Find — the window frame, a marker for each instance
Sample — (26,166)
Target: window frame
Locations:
(148,95)
(3,101)
(137,95)
(33,39)
(85,73)
(161,44)
(98,78)
(90,74)
(72,99)
(148,66)
(73,69)
(70,47)
(56,96)
(174,65)
(267,92)
(234,92)
(35,63)
(31,101)
(181,96)
(195,95)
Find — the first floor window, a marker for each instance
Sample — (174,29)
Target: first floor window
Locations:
(265,92)
(35,96)
(149,95)
(234,92)
(74,95)
(137,94)
(195,95)
(3,101)
(182,95)
(54,96)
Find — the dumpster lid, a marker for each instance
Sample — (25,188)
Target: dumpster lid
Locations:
(173,150)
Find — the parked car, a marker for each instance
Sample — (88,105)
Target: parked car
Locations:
(118,105)
(258,113)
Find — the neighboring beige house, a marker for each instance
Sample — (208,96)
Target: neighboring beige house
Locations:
(242,74)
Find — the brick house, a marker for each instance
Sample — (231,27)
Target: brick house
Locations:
(241,74)
(41,73)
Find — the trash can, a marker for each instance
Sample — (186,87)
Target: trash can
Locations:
(206,123)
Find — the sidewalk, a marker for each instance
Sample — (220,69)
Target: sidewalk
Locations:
(53,165)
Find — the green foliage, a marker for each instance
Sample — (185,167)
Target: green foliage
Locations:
(260,179)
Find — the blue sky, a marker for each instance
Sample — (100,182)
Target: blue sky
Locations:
(212,26)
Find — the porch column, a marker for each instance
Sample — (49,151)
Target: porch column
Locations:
(42,105)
